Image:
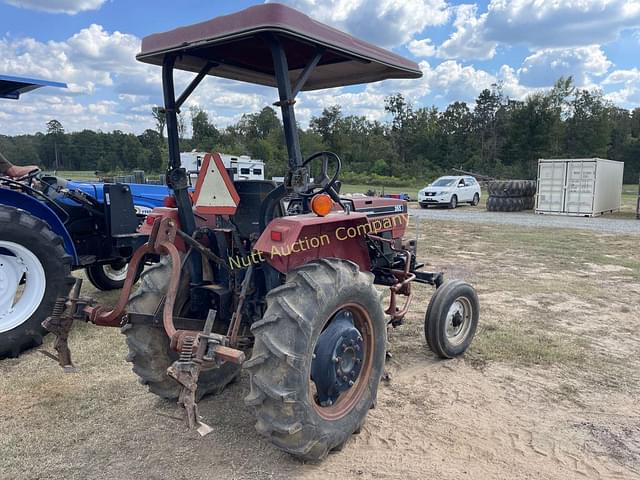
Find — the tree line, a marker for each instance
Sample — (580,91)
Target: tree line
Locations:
(495,136)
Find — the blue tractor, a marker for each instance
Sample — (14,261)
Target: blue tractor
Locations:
(50,226)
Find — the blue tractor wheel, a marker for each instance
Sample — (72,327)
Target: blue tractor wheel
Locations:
(108,276)
(34,271)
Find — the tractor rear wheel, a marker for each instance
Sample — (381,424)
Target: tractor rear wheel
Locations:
(149,349)
(318,358)
(34,271)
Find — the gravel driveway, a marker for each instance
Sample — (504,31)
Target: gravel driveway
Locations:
(529,219)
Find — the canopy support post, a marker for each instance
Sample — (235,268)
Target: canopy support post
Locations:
(298,177)
(304,76)
(177,178)
(194,83)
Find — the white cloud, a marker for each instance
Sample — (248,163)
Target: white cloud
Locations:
(447,82)
(94,63)
(452,81)
(422,48)
(553,23)
(387,23)
(511,86)
(90,59)
(108,87)
(70,7)
(368,103)
(538,24)
(544,67)
(467,40)
(628,82)
(622,76)
(104,107)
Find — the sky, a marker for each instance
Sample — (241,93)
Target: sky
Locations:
(461,48)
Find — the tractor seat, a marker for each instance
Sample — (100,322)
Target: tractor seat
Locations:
(252,193)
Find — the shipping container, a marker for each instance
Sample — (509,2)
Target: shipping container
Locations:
(581,187)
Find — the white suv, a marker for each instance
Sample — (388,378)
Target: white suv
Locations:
(450,191)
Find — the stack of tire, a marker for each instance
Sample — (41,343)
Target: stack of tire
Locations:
(511,195)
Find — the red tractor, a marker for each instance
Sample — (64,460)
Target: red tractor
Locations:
(280,280)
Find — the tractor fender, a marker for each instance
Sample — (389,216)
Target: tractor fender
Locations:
(42,211)
(289,242)
(159,213)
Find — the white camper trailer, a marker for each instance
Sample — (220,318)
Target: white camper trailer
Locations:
(242,167)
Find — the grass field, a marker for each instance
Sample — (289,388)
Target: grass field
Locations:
(81,175)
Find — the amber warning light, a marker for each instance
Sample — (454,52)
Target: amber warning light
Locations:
(322,204)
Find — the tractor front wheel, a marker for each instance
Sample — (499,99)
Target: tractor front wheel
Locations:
(451,319)
(34,271)
(149,349)
(108,276)
(318,358)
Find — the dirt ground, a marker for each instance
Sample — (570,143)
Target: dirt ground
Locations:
(548,390)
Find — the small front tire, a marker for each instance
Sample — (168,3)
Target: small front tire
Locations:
(451,319)
(453,203)
(107,277)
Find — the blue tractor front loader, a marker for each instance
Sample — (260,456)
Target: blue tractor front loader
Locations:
(50,226)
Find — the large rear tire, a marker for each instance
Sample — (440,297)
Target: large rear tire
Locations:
(512,188)
(505,204)
(34,271)
(149,349)
(287,346)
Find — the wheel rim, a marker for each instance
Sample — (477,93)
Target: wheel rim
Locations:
(349,398)
(115,274)
(454,202)
(458,320)
(22,285)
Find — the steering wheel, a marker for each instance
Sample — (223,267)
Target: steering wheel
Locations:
(322,182)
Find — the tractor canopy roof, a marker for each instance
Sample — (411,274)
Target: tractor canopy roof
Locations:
(234,45)
(13,87)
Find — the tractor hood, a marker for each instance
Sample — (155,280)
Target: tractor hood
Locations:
(145,197)
(431,189)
